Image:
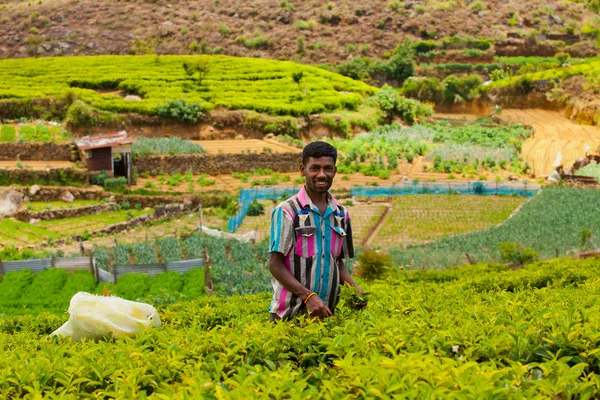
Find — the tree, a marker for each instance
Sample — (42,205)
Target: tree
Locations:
(400,66)
(197,70)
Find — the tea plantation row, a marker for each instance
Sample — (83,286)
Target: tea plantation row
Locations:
(482,331)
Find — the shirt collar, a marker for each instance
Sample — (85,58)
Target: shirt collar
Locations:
(305,200)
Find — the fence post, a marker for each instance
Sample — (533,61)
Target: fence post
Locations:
(93,267)
(208,283)
(115,273)
(1,269)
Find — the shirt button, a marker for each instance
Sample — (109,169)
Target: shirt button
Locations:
(322,255)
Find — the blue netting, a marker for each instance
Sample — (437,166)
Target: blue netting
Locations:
(483,188)
(247,196)
(520,189)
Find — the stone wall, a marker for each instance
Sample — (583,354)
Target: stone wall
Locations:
(166,212)
(54,176)
(53,193)
(36,152)
(48,215)
(215,164)
(192,201)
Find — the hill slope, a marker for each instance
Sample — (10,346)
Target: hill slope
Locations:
(330,32)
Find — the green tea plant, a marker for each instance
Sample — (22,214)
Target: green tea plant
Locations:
(480,331)
(264,86)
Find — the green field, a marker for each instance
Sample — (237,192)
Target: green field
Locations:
(420,218)
(59,205)
(551,222)
(478,332)
(71,226)
(17,233)
(235,83)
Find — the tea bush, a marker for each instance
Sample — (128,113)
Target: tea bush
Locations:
(481,331)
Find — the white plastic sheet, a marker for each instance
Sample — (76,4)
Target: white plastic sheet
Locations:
(99,317)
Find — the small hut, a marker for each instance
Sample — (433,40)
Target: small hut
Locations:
(110,152)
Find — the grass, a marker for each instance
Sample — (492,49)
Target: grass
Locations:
(420,218)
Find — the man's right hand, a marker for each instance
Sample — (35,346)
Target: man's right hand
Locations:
(316,308)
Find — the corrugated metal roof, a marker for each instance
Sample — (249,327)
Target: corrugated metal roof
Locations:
(103,140)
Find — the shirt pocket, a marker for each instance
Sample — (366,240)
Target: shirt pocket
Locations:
(306,241)
(338,236)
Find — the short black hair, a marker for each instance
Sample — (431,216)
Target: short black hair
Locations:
(317,150)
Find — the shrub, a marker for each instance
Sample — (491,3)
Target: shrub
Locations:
(400,66)
(390,101)
(516,253)
(359,68)
(477,6)
(224,29)
(424,47)
(181,110)
(373,265)
(255,208)
(118,184)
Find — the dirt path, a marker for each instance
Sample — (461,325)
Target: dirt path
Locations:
(553,133)
(373,233)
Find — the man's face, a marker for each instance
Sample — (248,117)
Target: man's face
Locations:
(319,173)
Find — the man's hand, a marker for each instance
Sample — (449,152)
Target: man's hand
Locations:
(316,308)
(360,291)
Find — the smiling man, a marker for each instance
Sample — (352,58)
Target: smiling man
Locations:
(311,236)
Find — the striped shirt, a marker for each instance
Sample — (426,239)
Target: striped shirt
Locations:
(313,245)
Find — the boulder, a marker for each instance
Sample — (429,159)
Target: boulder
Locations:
(239,137)
(133,97)
(33,190)
(67,197)
(270,136)
(10,202)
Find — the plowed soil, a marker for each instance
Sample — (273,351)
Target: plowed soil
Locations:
(553,133)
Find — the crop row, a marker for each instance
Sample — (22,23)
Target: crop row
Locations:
(452,149)
(553,222)
(481,331)
(236,267)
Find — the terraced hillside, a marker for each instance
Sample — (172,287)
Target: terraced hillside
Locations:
(553,133)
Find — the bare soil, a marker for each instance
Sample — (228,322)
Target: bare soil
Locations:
(553,133)
(91,27)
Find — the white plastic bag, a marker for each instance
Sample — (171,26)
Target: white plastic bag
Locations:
(98,317)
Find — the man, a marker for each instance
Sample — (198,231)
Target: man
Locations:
(311,235)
